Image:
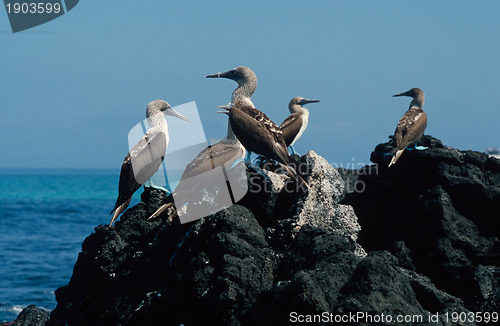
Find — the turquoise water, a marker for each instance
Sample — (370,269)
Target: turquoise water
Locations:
(44,217)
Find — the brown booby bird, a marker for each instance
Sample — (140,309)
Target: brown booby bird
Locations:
(256,132)
(412,125)
(146,156)
(293,127)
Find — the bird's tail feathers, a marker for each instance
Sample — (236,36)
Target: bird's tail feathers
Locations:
(396,156)
(118,210)
(294,174)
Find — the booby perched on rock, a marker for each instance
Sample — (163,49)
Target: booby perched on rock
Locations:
(293,127)
(412,125)
(247,83)
(146,156)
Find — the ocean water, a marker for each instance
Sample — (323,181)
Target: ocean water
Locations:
(44,217)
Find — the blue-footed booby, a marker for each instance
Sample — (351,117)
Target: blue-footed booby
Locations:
(146,156)
(247,83)
(293,127)
(412,125)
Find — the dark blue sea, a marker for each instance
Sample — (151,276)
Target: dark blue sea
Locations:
(44,217)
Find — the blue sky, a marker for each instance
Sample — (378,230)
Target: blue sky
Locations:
(71,89)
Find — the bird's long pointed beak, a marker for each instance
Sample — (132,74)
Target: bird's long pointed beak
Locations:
(231,74)
(305,101)
(224,112)
(214,75)
(176,114)
(407,93)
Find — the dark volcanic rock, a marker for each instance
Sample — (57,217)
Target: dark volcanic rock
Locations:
(379,286)
(115,270)
(443,204)
(315,268)
(32,316)
(286,254)
(141,273)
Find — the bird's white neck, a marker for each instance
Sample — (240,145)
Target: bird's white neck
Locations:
(157,121)
(296,108)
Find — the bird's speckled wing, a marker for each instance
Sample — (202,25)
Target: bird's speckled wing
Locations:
(140,164)
(254,133)
(261,117)
(410,128)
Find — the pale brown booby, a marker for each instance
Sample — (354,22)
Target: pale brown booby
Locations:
(412,125)
(293,127)
(146,156)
